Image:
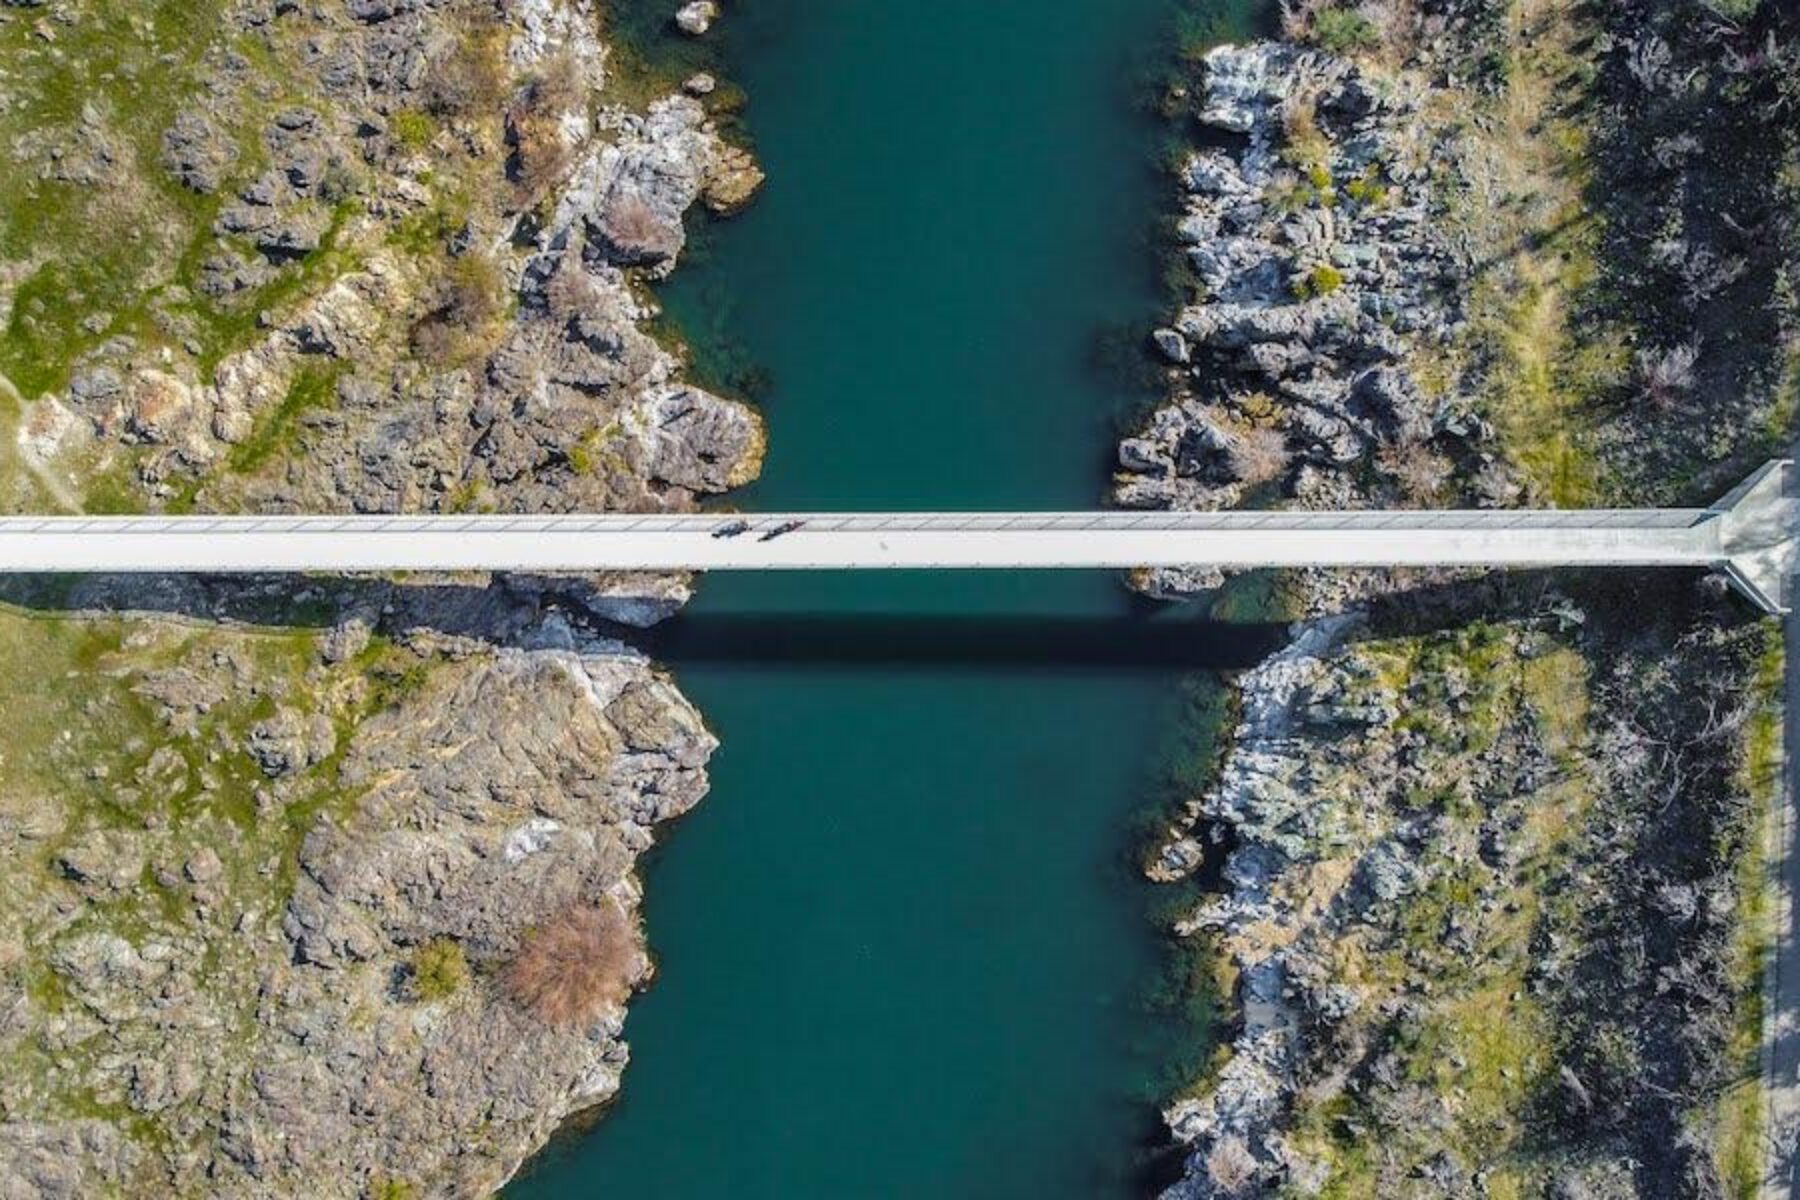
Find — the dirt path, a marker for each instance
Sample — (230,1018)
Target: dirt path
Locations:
(14,463)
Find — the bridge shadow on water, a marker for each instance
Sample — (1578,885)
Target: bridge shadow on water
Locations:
(1003,640)
(511,611)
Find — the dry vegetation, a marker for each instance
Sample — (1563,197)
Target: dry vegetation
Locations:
(578,966)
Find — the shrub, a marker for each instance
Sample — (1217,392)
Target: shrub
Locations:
(412,129)
(1231,1167)
(576,966)
(1418,471)
(470,300)
(1341,30)
(572,291)
(439,971)
(540,156)
(635,234)
(471,81)
(1666,376)
(1322,280)
(1367,188)
(1259,454)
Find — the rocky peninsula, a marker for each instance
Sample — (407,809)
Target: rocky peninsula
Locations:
(1491,910)
(328,888)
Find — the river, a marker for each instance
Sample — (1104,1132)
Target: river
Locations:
(902,948)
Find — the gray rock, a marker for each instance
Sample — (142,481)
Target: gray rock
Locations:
(195,152)
(1172,345)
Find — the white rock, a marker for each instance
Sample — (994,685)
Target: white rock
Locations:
(533,837)
(696,18)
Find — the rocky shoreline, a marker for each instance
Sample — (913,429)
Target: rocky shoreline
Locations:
(334,894)
(1441,812)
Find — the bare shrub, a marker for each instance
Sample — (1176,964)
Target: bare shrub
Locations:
(541,155)
(572,292)
(634,231)
(1259,454)
(1230,1166)
(1648,60)
(471,80)
(1666,376)
(560,87)
(1419,471)
(1297,17)
(469,303)
(576,966)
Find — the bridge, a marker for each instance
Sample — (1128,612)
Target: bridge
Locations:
(1748,536)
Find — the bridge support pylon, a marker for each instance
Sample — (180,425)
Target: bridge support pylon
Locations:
(1757,535)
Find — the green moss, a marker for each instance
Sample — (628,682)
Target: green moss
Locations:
(388,1187)
(1367,188)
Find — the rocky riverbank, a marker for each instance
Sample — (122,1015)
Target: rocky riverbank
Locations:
(328,889)
(1491,915)
(262,942)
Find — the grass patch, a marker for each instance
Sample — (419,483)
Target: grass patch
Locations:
(1343,30)
(439,971)
(1549,358)
(313,389)
(1738,1136)
(132,746)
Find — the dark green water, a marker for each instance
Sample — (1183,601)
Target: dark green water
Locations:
(902,950)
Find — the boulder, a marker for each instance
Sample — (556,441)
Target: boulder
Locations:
(696,18)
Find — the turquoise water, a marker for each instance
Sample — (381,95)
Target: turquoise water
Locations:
(902,950)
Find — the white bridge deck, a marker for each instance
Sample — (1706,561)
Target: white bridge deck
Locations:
(1747,535)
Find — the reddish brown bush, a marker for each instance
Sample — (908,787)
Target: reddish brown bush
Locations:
(577,965)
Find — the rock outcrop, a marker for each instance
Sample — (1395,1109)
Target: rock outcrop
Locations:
(444,251)
(1485,849)
(274,901)
(236,970)
(1444,854)
(1322,284)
